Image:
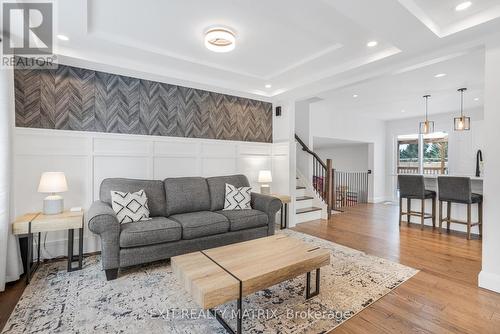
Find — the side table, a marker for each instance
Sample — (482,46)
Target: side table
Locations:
(285,200)
(38,222)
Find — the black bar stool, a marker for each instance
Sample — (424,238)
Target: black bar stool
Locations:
(413,187)
(458,190)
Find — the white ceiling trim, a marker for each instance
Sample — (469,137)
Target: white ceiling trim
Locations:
(305,60)
(444,31)
(127,42)
(342,68)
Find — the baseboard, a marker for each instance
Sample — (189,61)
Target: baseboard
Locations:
(489,281)
(379,199)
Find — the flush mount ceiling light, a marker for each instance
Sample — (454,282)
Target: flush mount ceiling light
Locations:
(268,86)
(462,123)
(220,39)
(440,75)
(371,44)
(63,37)
(476,99)
(463,6)
(426,126)
(355,95)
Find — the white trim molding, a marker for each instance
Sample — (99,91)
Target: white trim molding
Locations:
(489,281)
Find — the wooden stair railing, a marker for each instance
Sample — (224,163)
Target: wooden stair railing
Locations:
(322,176)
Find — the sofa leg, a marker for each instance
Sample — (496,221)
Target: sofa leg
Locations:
(111,274)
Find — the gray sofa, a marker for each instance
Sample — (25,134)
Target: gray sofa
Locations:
(186,216)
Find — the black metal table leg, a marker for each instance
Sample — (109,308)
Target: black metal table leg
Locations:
(39,243)
(30,266)
(314,293)
(71,236)
(29,258)
(284,216)
(80,248)
(239,320)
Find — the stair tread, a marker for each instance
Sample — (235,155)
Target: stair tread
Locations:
(304,198)
(306,210)
(300,187)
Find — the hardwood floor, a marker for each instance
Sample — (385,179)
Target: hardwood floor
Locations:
(9,298)
(442,298)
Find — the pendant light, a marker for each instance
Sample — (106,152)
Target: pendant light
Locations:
(462,123)
(426,126)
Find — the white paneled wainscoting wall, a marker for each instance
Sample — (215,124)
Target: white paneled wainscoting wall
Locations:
(89,157)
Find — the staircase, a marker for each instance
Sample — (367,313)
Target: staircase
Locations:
(314,195)
(304,204)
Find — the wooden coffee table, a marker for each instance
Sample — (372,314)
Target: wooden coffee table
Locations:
(220,275)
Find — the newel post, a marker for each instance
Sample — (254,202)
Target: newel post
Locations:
(329,187)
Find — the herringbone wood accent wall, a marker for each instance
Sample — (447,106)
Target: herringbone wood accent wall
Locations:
(71,98)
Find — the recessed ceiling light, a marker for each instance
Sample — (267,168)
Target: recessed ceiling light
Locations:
(440,75)
(476,99)
(371,44)
(220,40)
(268,86)
(355,95)
(403,111)
(63,37)
(463,6)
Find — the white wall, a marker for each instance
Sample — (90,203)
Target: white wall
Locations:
(352,158)
(489,277)
(283,133)
(330,123)
(303,130)
(462,146)
(87,158)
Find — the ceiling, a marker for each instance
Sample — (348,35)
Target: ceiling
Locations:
(442,18)
(322,142)
(399,94)
(301,48)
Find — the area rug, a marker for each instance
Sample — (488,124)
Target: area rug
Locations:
(148,298)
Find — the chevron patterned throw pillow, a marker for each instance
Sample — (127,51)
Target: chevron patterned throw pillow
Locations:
(130,207)
(237,198)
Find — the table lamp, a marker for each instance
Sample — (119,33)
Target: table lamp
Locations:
(264,179)
(53,183)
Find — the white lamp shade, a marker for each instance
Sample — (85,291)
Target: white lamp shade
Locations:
(265,176)
(53,182)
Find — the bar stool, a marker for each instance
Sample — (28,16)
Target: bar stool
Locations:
(413,187)
(458,190)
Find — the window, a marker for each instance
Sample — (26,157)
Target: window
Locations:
(435,159)
(408,156)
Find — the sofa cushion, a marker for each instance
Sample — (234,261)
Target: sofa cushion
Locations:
(217,188)
(201,224)
(186,194)
(244,219)
(155,231)
(155,192)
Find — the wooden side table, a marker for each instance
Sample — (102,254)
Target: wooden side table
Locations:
(38,222)
(285,200)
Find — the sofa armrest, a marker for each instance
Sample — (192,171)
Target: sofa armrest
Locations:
(269,205)
(102,220)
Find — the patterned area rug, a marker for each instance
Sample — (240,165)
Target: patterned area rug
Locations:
(148,299)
